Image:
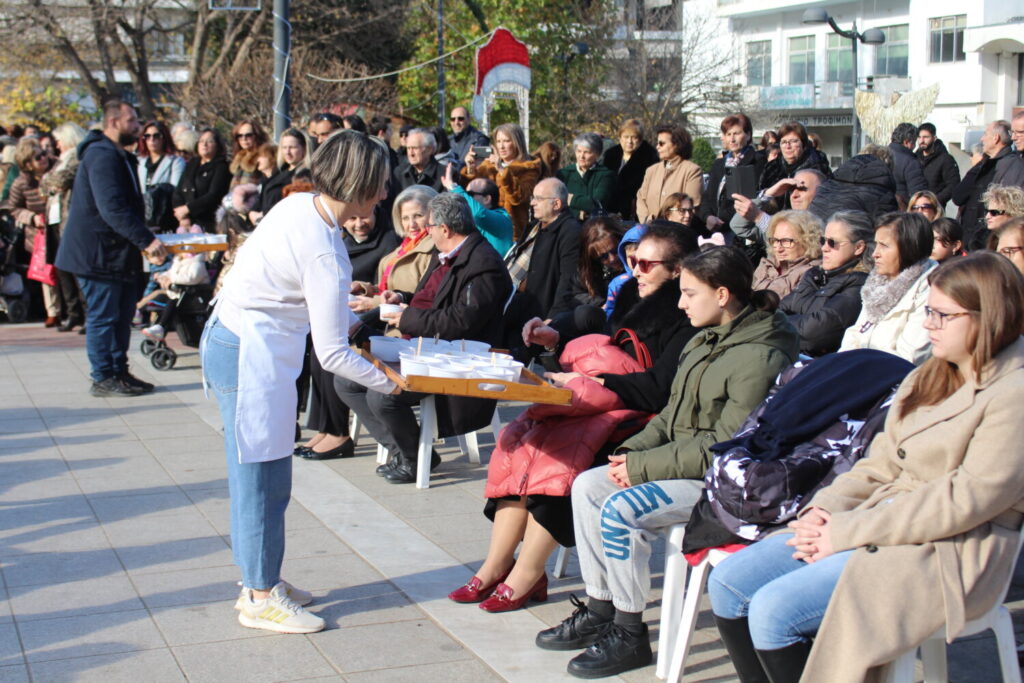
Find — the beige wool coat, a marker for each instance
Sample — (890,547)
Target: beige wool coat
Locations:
(933,514)
(660,181)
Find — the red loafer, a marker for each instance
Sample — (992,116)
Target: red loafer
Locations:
(502,600)
(474,591)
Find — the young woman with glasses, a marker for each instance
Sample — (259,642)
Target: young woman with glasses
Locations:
(922,532)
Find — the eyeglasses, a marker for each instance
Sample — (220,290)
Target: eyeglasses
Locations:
(995,212)
(458,118)
(784,242)
(832,244)
(611,253)
(1008,252)
(535,198)
(923,207)
(938,319)
(662,143)
(680,209)
(152,136)
(791,143)
(239,136)
(644,266)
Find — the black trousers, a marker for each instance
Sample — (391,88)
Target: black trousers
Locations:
(388,417)
(328,414)
(71,294)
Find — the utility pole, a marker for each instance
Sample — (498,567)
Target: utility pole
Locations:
(442,108)
(282,57)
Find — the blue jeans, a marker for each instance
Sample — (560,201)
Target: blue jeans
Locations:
(259,491)
(109,307)
(783,599)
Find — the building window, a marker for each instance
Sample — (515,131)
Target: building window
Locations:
(891,56)
(801,60)
(839,54)
(947,38)
(759,62)
(1020,80)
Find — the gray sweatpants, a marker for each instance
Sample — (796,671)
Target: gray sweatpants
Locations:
(615,528)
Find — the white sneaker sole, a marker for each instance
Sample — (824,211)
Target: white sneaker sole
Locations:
(240,602)
(265,625)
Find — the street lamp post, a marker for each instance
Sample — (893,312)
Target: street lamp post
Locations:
(873,36)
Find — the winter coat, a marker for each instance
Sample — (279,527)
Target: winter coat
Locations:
(201,189)
(932,515)
(168,170)
(901,330)
(272,188)
(630,176)
(404,175)
(469,137)
(1005,168)
(105,230)
(777,169)
(590,191)
(864,183)
(777,462)
(543,450)
(660,181)
(940,171)
(406,274)
(56,185)
(906,169)
(769,274)
(823,305)
(515,187)
(468,305)
(716,201)
(26,201)
(725,372)
(549,283)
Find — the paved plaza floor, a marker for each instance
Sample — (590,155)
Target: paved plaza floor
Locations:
(116,562)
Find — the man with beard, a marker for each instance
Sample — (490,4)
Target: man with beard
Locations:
(939,167)
(102,238)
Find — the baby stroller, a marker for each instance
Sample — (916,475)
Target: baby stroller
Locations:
(13,295)
(189,319)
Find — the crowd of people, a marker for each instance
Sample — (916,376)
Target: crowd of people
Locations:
(775,312)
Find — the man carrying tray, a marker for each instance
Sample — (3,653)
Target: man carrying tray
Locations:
(461,296)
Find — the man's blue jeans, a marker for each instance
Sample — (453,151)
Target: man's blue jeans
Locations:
(109,307)
(783,599)
(259,491)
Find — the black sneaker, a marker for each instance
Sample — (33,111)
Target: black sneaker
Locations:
(114,386)
(133,381)
(616,650)
(574,633)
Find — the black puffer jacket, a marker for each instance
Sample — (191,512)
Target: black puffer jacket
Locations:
(823,305)
(1005,168)
(906,169)
(777,169)
(940,171)
(864,183)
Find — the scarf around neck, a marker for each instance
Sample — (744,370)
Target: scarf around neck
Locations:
(880,293)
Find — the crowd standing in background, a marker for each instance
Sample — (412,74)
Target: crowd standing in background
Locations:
(706,322)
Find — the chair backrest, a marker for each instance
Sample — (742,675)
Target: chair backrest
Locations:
(1009,579)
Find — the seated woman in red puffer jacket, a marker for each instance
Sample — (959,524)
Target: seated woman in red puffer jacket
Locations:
(540,453)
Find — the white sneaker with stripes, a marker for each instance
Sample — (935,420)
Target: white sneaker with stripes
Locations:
(277,612)
(297,594)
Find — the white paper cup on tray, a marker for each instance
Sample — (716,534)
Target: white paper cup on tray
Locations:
(388,311)
(411,364)
(388,349)
(457,370)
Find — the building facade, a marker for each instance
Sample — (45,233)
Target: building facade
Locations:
(973,51)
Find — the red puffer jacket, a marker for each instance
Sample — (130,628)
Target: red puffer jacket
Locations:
(543,450)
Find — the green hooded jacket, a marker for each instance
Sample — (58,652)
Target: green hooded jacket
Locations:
(725,372)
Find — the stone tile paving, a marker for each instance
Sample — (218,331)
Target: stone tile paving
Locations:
(116,562)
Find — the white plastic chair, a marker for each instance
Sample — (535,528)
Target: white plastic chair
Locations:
(686,624)
(933,650)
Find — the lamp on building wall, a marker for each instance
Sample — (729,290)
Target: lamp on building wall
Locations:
(872,36)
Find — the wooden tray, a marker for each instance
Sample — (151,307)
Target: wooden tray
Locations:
(530,387)
(195,248)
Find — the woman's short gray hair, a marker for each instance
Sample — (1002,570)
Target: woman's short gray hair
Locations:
(351,166)
(859,228)
(452,210)
(591,140)
(69,134)
(421,194)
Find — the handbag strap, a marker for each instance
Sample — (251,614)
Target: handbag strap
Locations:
(640,350)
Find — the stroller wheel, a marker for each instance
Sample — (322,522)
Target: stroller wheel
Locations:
(163,358)
(148,346)
(17,310)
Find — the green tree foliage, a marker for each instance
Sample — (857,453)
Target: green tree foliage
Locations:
(703,154)
(548,27)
